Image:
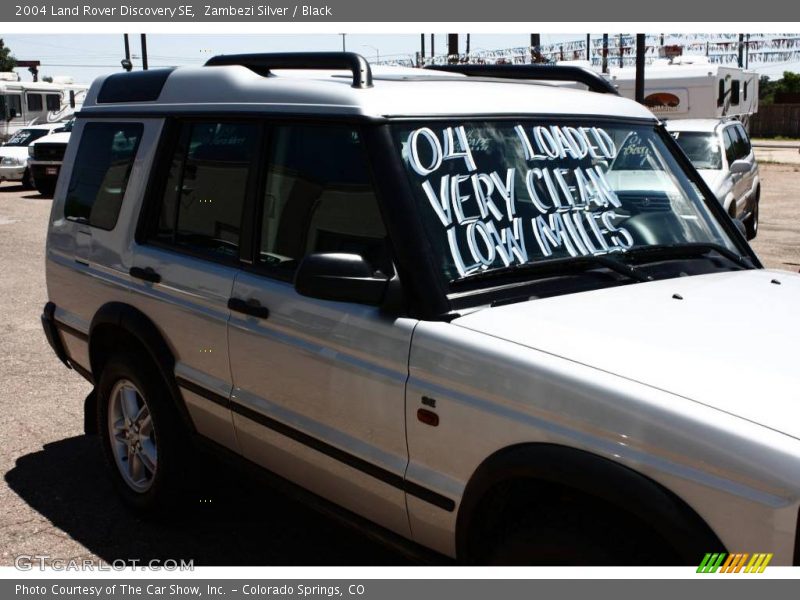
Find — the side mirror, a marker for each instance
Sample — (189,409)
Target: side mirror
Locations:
(340,277)
(740,166)
(740,226)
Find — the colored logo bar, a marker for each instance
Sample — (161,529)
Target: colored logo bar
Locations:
(734,563)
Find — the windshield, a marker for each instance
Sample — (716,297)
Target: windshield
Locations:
(506,193)
(23,137)
(701,148)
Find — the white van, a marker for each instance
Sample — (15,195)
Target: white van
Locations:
(24,103)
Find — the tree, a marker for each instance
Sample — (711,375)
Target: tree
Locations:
(7,60)
(767,89)
(47,79)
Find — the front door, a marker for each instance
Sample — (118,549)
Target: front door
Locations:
(319,386)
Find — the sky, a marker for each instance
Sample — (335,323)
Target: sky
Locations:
(86,56)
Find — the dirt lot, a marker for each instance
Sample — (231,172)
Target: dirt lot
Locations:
(55,495)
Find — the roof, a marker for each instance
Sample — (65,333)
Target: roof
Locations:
(47,126)
(396,93)
(702,125)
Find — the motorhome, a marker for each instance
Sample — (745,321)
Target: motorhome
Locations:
(24,103)
(692,88)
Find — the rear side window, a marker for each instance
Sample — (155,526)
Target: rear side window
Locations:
(730,145)
(34,102)
(53,102)
(100,173)
(204,196)
(735,92)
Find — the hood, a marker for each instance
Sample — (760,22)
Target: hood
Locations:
(54,138)
(731,343)
(15,151)
(714,178)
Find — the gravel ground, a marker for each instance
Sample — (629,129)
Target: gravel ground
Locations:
(56,498)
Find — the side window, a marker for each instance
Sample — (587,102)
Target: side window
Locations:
(14,103)
(744,140)
(721,93)
(53,102)
(100,173)
(204,195)
(745,91)
(34,102)
(319,198)
(730,145)
(735,92)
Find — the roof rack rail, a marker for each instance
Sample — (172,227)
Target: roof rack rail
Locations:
(264,63)
(594,81)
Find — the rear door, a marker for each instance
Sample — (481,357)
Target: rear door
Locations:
(319,386)
(187,257)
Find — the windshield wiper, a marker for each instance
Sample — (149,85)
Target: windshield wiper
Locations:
(558,267)
(683,251)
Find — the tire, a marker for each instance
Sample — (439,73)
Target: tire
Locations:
(149,468)
(45,188)
(751,225)
(578,535)
(27,180)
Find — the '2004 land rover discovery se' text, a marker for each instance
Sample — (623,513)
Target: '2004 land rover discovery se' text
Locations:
(492,315)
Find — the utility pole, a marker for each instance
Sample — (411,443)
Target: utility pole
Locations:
(621,61)
(741,50)
(433,51)
(747,52)
(127,65)
(452,47)
(588,47)
(640,50)
(536,41)
(144,52)
(422,46)
(605,53)
(344,46)
(467,44)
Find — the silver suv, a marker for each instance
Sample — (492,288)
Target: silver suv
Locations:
(722,153)
(487,315)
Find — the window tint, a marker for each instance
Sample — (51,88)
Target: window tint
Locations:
(35,102)
(206,188)
(319,198)
(744,140)
(14,104)
(730,145)
(53,102)
(100,173)
(735,92)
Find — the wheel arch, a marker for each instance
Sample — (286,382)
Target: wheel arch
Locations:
(589,474)
(117,322)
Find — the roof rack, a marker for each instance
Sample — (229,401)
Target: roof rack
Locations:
(594,81)
(263,64)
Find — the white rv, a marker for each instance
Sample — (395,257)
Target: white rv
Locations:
(24,103)
(692,88)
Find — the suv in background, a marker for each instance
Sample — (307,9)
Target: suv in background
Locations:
(46,156)
(489,317)
(721,151)
(14,153)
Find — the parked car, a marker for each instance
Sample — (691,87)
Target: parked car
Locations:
(14,153)
(45,157)
(721,151)
(491,319)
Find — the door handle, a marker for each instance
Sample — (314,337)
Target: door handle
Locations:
(251,307)
(145,274)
